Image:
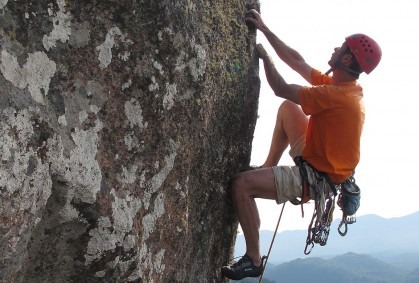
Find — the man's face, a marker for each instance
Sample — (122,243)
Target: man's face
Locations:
(338,54)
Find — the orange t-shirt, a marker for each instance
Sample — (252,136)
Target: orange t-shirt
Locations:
(334,130)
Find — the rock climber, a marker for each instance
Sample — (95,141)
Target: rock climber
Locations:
(321,123)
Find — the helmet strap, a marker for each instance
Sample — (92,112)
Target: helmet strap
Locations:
(330,70)
(349,70)
(338,64)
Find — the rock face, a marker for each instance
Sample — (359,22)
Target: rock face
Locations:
(121,124)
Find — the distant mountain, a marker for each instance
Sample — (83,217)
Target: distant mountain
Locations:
(394,240)
(404,261)
(348,268)
(412,277)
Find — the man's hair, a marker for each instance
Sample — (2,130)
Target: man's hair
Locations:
(355,67)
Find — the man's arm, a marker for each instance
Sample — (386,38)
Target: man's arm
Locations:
(287,54)
(275,80)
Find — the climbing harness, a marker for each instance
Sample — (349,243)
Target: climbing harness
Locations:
(324,193)
(272,242)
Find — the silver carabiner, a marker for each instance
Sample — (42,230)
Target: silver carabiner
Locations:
(312,246)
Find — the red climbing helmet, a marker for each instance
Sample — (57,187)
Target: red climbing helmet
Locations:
(367,52)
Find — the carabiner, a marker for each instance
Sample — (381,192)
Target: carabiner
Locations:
(346,228)
(312,246)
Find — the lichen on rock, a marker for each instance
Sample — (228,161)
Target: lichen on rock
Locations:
(121,125)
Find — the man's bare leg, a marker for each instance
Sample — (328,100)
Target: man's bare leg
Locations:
(245,188)
(291,124)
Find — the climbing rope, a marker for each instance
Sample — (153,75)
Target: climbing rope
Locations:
(272,242)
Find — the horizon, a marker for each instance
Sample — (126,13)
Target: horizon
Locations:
(337,220)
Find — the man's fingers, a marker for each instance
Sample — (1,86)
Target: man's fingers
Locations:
(252,16)
(261,50)
(254,13)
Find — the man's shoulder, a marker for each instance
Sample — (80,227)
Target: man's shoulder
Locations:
(319,78)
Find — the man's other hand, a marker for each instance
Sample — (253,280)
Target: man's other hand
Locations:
(261,51)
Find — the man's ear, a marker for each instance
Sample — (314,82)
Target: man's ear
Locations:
(347,59)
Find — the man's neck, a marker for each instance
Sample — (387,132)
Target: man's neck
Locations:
(341,76)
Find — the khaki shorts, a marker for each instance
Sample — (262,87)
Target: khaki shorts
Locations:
(288,178)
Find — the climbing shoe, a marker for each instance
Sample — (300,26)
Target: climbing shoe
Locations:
(243,268)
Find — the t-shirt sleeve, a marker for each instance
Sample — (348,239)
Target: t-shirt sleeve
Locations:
(318,78)
(316,98)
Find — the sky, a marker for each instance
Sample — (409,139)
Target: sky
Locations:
(388,169)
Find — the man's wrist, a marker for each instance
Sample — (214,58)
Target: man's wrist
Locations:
(267,32)
(265,57)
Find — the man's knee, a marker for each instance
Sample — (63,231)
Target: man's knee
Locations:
(289,111)
(287,107)
(293,120)
(238,185)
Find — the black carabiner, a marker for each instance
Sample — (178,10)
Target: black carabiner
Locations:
(346,228)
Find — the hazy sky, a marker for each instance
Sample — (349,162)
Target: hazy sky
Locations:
(388,170)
